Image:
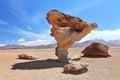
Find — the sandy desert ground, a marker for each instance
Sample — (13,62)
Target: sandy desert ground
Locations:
(47,68)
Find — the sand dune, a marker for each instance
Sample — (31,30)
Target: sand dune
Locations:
(46,66)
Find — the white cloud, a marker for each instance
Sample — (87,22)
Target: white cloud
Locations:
(26,33)
(43,38)
(21,40)
(38,38)
(37,42)
(105,35)
(3,22)
(2,44)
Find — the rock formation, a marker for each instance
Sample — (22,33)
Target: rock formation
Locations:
(25,56)
(96,49)
(66,30)
(76,67)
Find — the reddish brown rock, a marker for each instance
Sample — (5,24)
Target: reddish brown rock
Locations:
(55,17)
(76,67)
(96,49)
(66,30)
(25,56)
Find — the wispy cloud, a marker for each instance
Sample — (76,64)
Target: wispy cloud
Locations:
(105,35)
(86,5)
(36,19)
(38,38)
(37,42)
(29,27)
(27,33)
(2,44)
(21,40)
(3,22)
(18,9)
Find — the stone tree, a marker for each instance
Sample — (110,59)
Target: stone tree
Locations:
(67,30)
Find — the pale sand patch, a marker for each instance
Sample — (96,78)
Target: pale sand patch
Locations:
(47,68)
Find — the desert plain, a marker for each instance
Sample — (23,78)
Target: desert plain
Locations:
(46,66)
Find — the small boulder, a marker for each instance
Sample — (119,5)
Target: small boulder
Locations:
(25,56)
(76,67)
(96,49)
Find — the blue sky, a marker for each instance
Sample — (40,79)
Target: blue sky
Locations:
(23,21)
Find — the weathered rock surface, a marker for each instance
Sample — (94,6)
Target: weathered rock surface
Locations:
(96,49)
(76,67)
(55,17)
(25,56)
(66,30)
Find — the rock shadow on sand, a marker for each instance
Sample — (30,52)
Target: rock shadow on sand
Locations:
(96,56)
(39,64)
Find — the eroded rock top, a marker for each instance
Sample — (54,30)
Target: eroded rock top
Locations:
(55,17)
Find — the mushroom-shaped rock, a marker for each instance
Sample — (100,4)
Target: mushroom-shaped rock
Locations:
(76,67)
(96,49)
(66,30)
(25,56)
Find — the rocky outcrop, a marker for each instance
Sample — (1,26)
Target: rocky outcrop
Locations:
(66,30)
(76,67)
(25,56)
(96,49)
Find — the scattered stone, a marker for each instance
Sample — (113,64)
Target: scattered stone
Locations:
(96,49)
(25,56)
(76,67)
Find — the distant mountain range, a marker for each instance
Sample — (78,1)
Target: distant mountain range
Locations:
(113,43)
(109,43)
(15,46)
